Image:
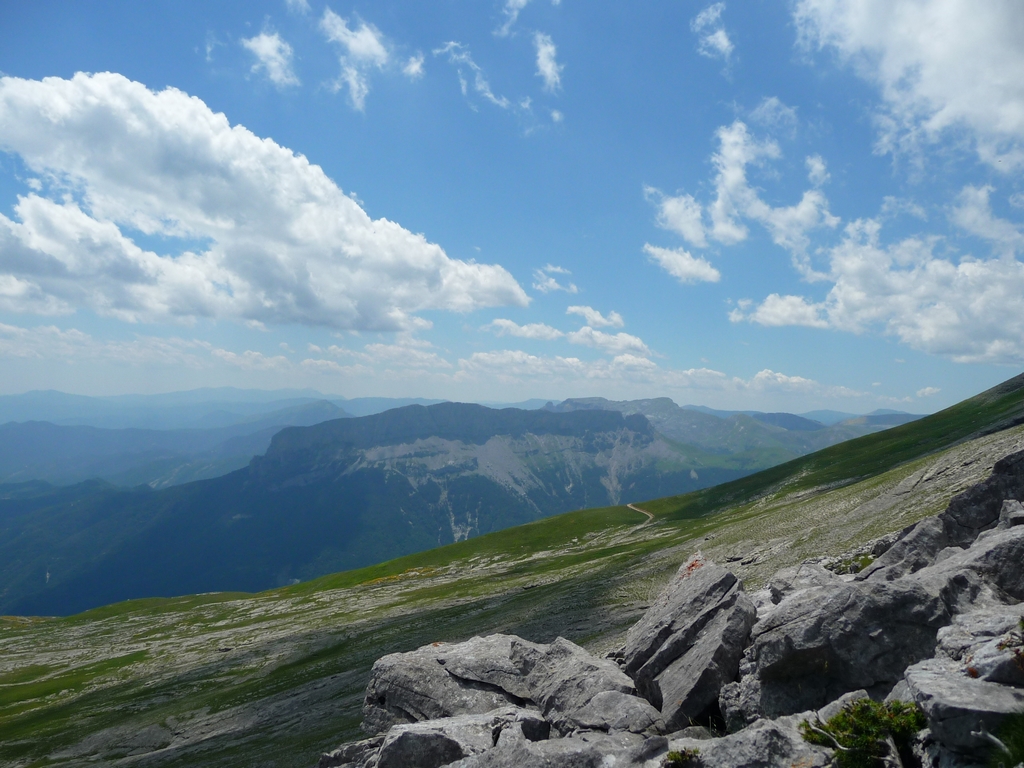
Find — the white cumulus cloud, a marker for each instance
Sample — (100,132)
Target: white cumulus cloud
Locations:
(503,327)
(973,213)
(273,57)
(736,198)
(595,319)
(681,214)
(682,266)
(265,235)
(817,171)
(969,311)
(612,343)
(944,65)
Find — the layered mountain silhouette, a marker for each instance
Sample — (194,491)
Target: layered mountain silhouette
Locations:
(337,495)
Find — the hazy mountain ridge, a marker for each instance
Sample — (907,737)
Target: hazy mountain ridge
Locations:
(206,408)
(217,431)
(767,438)
(340,494)
(65,454)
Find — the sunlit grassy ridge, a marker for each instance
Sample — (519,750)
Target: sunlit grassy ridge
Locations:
(273,679)
(998,408)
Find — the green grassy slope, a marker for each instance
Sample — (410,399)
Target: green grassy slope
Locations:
(273,679)
(998,408)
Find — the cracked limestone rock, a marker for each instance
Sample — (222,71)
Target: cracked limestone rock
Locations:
(420,685)
(690,641)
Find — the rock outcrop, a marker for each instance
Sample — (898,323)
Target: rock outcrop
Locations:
(689,642)
(937,620)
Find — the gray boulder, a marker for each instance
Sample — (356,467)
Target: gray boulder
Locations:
(690,641)
(969,513)
(1011,514)
(613,711)
(443,680)
(955,703)
(989,572)
(827,641)
(577,690)
(355,754)
(988,643)
(796,577)
(765,744)
(913,552)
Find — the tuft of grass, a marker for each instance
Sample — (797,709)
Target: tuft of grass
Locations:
(681,758)
(865,733)
(1011,733)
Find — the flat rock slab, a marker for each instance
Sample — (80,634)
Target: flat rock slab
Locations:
(435,743)
(787,581)
(690,641)
(955,704)
(488,660)
(585,750)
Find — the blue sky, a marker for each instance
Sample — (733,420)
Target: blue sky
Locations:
(781,206)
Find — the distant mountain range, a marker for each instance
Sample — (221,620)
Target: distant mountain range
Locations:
(67,439)
(763,439)
(307,489)
(208,408)
(340,494)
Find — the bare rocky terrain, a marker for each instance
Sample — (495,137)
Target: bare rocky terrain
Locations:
(931,632)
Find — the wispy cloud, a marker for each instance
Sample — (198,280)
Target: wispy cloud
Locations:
(363,49)
(547,67)
(460,57)
(683,266)
(511,12)
(544,281)
(713,40)
(413,68)
(273,58)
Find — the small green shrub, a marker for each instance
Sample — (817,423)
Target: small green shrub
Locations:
(854,564)
(1011,733)
(864,732)
(677,759)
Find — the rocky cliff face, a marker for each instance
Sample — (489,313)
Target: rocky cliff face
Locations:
(711,676)
(473,469)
